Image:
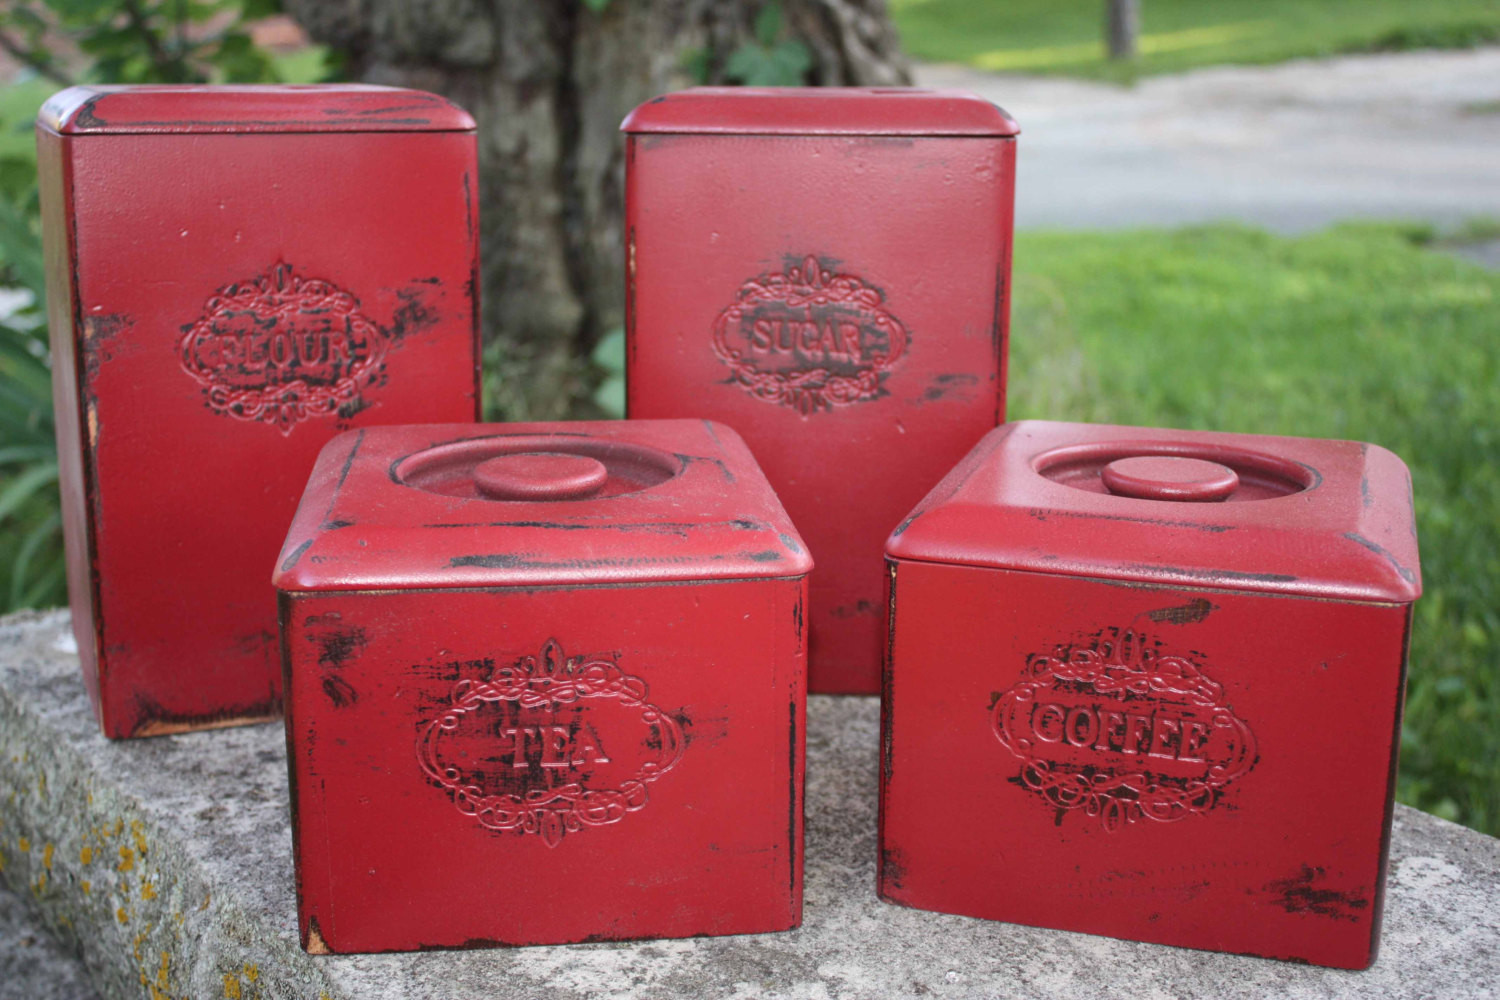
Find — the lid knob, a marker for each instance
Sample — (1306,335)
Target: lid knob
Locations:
(540,476)
(1167,477)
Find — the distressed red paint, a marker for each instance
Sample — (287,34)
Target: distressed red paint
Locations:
(1120,729)
(1146,704)
(549,772)
(827,271)
(568,656)
(218,311)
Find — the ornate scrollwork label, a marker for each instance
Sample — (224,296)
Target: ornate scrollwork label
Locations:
(1120,728)
(809,338)
(549,745)
(282,347)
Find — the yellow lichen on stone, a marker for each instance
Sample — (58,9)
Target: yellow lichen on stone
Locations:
(252,972)
(231,986)
(161,972)
(47,857)
(138,832)
(148,891)
(24,845)
(122,916)
(86,854)
(39,884)
(86,885)
(127,859)
(2,861)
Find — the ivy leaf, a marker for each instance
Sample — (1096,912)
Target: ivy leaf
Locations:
(768,24)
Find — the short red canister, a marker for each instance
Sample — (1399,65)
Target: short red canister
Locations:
(545,683)
(1148,683)
(235,275)
(827,270)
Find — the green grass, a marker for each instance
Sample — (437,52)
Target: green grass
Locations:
(1353,333)
(1067,36)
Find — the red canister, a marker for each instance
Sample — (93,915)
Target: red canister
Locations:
(235,275)
(1148,683)
(827,271)
(545,683)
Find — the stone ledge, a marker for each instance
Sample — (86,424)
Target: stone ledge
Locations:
(165,864)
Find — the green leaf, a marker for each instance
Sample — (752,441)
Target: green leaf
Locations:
(27,453)
(254,10)
(694,64)
(20,367)
(28,484)
(768,24)
(21,249)
(49,590)
(45,533)
(791,61)
(610,396)
(609,353)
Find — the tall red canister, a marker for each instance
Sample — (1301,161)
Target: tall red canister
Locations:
(1148,683)
(235,275)
(545,683)
(826,270)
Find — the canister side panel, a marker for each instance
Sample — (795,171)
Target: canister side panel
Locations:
(240,300)
(842,302)
(1182,766)
(541,766)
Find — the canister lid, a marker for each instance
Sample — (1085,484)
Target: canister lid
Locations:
(467,505)
(188,108)
(1285,515)
(821,111)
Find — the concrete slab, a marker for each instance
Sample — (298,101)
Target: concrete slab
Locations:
(1291,147)
(167,864)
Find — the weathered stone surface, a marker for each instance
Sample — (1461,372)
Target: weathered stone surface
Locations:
(166,864)
(33,963)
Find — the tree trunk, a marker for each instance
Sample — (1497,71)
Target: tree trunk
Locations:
(548,82)
(1122,24)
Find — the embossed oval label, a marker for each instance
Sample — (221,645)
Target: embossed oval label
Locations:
(282,347)
(1120,728)
(549,745)
(809,338)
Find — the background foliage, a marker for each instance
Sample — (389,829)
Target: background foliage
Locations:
(1360,332)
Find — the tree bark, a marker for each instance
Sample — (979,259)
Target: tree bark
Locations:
(1122,25)
(549,81)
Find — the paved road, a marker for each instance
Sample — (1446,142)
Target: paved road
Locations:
(1291,147)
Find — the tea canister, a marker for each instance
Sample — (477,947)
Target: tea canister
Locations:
(1148,683)
(235,275)
(545,683)
(827,270)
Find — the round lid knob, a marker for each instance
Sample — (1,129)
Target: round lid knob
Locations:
(540,476)
(1166,477)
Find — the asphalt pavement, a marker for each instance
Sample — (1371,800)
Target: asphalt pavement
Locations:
(1291,147)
